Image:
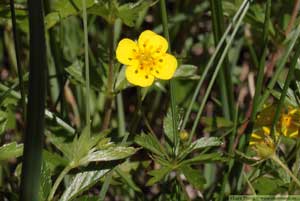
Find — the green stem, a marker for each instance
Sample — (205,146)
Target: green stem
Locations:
(203,102)
(121,115)
(285,89)
(210,63)
(34,132)
(164,16)
(87,67)
(58,181)
(286,169)
(17,50)
(109,98)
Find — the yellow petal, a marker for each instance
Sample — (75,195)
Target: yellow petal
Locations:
(152,42)
(255,136)
(266,130)
(126,52)
(164,67)
(138,77)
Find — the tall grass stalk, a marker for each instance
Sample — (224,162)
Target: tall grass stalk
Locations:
(17,50)
(219,64)
(211,61)
(260,76)
(218,30)
(87,67)
(33,142)
(164,17)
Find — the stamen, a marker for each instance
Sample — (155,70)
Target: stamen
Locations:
(136,71)
(146,76)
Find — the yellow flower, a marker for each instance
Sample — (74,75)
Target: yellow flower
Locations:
(262,142)
(146,59)
(290,122)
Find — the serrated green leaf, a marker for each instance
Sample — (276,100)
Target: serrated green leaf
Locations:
(75,71)
(45,182)
(81,182)
(194,177)
(158,175)
(112,153)
(151,143)
(54,160)
(204,158)
(185,71)
(267,186)
(127,179)
(129,12)
(206,142)
(10,150)
(100,9)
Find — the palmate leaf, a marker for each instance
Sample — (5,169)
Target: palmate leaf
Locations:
(79,147)
(186,71)
(81,182)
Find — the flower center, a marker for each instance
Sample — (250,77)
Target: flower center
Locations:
(146,60)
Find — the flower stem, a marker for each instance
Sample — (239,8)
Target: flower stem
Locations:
(275,158)
(57,182)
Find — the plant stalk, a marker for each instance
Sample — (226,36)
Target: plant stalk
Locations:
(34,132)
